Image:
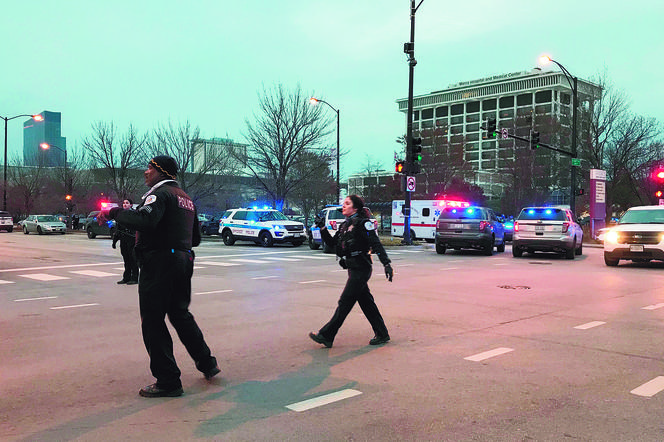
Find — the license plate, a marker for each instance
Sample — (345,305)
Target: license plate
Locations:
(539,228)
(315,234)
(637,248)
(456,226)
(296,235)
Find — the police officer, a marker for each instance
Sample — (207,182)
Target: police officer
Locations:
(167,228)
(352,242)
(127,238)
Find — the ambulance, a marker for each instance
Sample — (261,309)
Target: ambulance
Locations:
(423,217)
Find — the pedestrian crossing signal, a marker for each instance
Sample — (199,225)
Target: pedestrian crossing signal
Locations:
(400,167)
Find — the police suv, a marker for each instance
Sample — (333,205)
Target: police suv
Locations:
(262,226)
(333,219)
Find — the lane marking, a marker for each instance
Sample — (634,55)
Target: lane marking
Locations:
(94,273)
(325,257)
(282,259)
(250,261)
(43,277)
(323,400)
(25,269)
(220,264)
(213,292)
(73,306)
(35,299)
(406,265)
(6,282)
(650,388)
(501,264)
(588,325)
(199,267)
(450,268)
(265,277)
(312,282)
(489,354)
(653,306)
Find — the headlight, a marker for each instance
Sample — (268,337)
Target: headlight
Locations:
(278,227)
(611,236)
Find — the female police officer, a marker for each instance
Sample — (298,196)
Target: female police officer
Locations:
(352,242)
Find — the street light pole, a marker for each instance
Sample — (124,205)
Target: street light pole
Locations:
(313,100)
(36,117)
(46,146)
(573,82)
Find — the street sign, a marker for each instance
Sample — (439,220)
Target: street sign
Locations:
(410,184)
(576,161)
(504,133)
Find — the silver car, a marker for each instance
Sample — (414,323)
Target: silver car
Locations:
(547,229)
(43,224)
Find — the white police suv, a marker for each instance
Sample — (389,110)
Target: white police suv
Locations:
(262,226)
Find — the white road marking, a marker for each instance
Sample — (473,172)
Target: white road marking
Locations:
(588,325)
(94,273)
(323,400)
(199,268)
(653,306)
(450,268)
(35,299)
(73,306)
(213,292)
(406,265)
(501,264)
(489,354)
(25,269)
(250,261)
(282,259)
(6,282)
(650,388)
(43,277)
(312,282)
(411,251)
(220,264)
(314,257)
(265,277)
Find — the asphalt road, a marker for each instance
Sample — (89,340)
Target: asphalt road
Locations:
(483,348)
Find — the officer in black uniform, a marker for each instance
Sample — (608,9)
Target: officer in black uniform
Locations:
(167,228)
(352,242)
(127,238)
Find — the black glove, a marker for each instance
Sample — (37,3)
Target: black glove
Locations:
(113,244)
(342,263)
(389,272)
(319,222)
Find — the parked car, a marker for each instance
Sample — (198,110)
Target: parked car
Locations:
(262,226)
(43,224)
(208,224)
(508,224)
(547,229)
(638,236)
(6,221)
(93,226)
(469,227)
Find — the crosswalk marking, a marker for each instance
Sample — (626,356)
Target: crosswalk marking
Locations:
(323,400)
(650,388)
(282,259)
(265,277)
(94,273)
(73,306)
(588,325)
(314,257)
(6,282)
(220,264)
(653,306)
(488,354)
(213,292)
(311,282)
(35,299)
(250,261)
(43,277)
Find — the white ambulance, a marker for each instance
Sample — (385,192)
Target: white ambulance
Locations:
(423,217)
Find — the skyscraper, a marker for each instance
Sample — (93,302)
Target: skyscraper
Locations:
(46,131)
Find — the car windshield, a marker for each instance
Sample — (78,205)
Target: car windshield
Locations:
(271,215)
(46,219)
(546,213)
(336,214)
(650,216)
(461,213)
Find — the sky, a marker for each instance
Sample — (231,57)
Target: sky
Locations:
(147,62)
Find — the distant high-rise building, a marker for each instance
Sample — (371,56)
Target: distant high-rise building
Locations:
(46,131)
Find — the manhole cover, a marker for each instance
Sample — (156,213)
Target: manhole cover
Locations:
(514,287)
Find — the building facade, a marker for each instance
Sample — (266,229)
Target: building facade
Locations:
(520,102)
(219,156)
(49,131)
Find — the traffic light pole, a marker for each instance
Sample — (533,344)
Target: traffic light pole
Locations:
(409,49)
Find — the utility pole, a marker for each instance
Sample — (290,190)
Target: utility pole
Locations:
(409,49)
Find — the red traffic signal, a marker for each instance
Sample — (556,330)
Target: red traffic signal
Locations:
(400,167)
(659,194)
(659,175)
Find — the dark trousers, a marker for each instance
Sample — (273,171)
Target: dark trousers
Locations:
(356,290)
(130,265)
(165,289)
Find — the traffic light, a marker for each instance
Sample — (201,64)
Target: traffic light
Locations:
(400,167)
(580,192)
(534,139)
(659,183)
(491,128)
(416,155)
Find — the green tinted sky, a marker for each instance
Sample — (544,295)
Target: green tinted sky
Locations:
(146,61)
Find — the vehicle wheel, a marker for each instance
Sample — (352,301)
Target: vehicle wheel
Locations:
(25,230)
(501,247)
(10,230)
(579,251)
(39,230)
(228,238)
(430,240)
(440,249)
(611,262)
(517,252)
(569,254)
(298,243)
(488,247)
(266,239)
(91,234)
(312,244)
(62,233)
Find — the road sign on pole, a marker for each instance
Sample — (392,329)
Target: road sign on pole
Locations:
(410,184)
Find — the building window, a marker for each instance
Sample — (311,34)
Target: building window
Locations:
(489,104)
(427,124)
(456,120)
(506,102)
(565,98)
(472,127)
(455,130)
(543,109)
(488,154)
(508,113)
(488,145)
(487,115)
(427,114)
(524,99)
(473,106)
(472,118)
(472,137)
(472,156)
(543,97)
(441,111)
(416,115)
(457,109)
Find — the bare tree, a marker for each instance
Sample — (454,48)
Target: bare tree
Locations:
(286,127)
(118,163)
(314,193)
(27,186)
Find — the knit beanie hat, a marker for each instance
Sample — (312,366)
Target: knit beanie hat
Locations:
(166,165)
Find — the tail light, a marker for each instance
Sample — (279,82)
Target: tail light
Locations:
(484,225)
(516,226)
(565,227)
